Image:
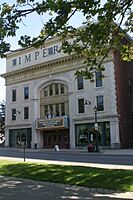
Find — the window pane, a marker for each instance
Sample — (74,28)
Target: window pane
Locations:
(51,89)
(62,109)
(26,92)
(62,89)
(56,88)
(46,91)
(81,105)
(100,103)
(26,113)
(80,83)
(46,110)
(99,82)
(13,95)
(14,62)
(57,110)
(14,114)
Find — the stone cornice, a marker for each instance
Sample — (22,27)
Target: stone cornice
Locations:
(36,68)
(60,65)
(106,117)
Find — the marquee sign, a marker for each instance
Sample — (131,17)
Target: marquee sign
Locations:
(55,122)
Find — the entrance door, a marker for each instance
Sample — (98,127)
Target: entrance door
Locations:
(53,137)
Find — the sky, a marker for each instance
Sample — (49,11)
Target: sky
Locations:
(30,26)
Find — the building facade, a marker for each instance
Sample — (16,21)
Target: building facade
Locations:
(45,102)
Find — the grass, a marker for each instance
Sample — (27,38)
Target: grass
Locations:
(82,176)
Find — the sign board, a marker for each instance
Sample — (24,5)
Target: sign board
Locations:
(96,126)
(55,122)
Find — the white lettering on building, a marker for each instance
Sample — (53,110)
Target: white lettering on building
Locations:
(36,55)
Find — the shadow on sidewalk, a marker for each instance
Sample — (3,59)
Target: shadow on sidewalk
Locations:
(17,188)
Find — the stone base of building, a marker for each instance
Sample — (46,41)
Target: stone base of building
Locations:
(115,146)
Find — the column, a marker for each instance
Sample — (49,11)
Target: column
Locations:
(114,133)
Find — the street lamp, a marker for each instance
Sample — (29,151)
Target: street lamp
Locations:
(96,128)
(95,123)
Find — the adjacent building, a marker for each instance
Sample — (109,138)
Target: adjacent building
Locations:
(47,105)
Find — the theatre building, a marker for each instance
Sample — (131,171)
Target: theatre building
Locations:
(47,105)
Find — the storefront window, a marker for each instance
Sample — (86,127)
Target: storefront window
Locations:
(19,137)
(84,134)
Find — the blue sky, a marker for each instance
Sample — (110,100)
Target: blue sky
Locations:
(30,26)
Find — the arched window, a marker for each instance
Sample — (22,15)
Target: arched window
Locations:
(54,100)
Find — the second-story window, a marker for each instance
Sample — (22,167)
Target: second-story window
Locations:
(62,89)
(99,81)
(26,92)
(56,88)
(14,95)
(26,112)
(51,90)
(14,114)
(100,103)
(80,83)
(80,105)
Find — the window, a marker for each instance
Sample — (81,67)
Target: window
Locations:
(53,101)
(80,105)
(80,83)
(14,114)
(14,62)
(57,109)
(51,89)
(46,91)
(51,107)
(46,110)
(99,81)
(14,95)
(26,112)
(62,109)
(56,88)
(62,89)
(100,103)
(26,92)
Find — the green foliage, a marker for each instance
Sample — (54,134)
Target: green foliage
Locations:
(2,111)
(74,175)
(100,33)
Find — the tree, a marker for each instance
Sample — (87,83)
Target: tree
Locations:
(2,122)
(101,31)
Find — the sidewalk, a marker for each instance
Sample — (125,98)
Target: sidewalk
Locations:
(17,188)
(79,150)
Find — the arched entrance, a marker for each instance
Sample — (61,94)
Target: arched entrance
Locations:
(53,107)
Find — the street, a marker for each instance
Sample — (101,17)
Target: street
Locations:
(69,156)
